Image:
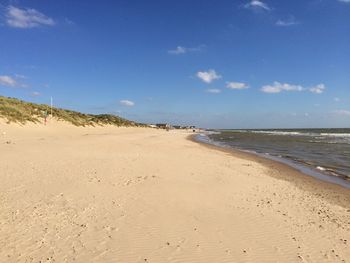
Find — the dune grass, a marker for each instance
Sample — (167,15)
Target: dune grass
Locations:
(18,111)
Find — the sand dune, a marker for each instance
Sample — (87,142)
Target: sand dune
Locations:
(111,194)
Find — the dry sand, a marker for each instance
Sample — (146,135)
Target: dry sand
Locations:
(143,195)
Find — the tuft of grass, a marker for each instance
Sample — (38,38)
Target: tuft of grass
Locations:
(18,111)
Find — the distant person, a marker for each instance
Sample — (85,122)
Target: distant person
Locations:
(45,117)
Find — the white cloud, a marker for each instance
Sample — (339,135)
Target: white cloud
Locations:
(177,51)
(35,93)
(183,50)
(318,89)
(336,99)
(215,91)
(342,112)
(26,18)
(13,82)
(344,1)
(257,5)
(8,81)
(19,76)
(277,87)
(127,103)
(208,76)
(68,21)
(236,85)
(291,21)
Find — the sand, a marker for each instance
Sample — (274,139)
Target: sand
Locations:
(110,194)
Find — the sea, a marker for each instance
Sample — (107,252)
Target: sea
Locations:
(323,153)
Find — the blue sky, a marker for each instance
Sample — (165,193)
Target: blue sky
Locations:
(222,64)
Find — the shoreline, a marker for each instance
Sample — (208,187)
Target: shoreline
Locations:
(322,153)
(300,167)
(284,171)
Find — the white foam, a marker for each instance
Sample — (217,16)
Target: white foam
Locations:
(320,168)
(280,132)
(336,134)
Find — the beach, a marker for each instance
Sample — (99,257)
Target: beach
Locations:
(109,194)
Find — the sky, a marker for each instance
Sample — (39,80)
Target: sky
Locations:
(213,64)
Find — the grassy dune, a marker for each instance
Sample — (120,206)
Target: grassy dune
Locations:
(15,110)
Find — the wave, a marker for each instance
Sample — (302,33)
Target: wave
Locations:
(298,133)
(325,141)
(207,132)
(347,135)
(279,132)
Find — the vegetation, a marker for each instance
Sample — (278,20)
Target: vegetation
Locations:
(15,110)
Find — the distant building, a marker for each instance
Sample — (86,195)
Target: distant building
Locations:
(189,127)
(168,126)
(163,125)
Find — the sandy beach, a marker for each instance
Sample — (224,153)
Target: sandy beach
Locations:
(107,194)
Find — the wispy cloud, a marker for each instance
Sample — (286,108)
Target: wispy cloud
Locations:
(257,5)
(336,99)
(67,21)
(208,76)
(236,85)
(344,1)
(278,87)
(178,50)
(342,112)
(320,88)
(183,50)
(26,18)
(13,82)
(35,93)
(127,103)
(19,76)
(215,91)
(291,21)
(8,81)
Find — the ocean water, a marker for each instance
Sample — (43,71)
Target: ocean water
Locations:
(324,150)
